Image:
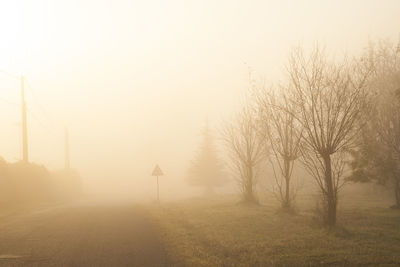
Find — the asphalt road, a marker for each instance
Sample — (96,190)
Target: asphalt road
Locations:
(91,235)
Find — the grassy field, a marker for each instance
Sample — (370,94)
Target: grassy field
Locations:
(221,232)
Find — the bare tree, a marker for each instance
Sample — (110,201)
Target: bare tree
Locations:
(388,129)
(283,133)
(246,150)
(329,99)
(385,58)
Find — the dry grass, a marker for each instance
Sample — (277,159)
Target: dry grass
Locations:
(220,232)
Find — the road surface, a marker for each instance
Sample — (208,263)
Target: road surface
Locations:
(90,235)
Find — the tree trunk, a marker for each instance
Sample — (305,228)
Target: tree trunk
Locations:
(330,194)
(250,184)
(286,203)
(249,196)
(397,192)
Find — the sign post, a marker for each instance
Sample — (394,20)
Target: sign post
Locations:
(157,172)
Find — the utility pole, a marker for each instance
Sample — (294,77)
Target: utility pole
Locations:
(66,149)
(24,125)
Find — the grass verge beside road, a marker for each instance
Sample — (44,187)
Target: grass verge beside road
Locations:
(220,232)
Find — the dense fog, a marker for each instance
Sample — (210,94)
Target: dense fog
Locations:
(135,82)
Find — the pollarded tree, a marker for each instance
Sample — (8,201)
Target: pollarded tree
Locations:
(330,98)
(206,169)
(283,134)
(246,150)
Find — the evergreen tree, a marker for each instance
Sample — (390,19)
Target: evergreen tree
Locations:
(206,169)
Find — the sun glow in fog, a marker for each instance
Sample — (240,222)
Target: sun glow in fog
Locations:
(134,80)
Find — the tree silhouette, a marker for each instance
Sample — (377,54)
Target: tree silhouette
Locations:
(246,149)
(283,133)
(377,156)
(206,170)
(329,101)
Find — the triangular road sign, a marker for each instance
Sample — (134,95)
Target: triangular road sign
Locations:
(157,171)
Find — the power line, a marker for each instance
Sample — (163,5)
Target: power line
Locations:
(42,109)
(30,89)
(14,77)
(46,126)
(8,102)
(31,113)
(9,74)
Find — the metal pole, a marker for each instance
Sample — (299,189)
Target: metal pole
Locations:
(158,196)
(24,126)
(66,149)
